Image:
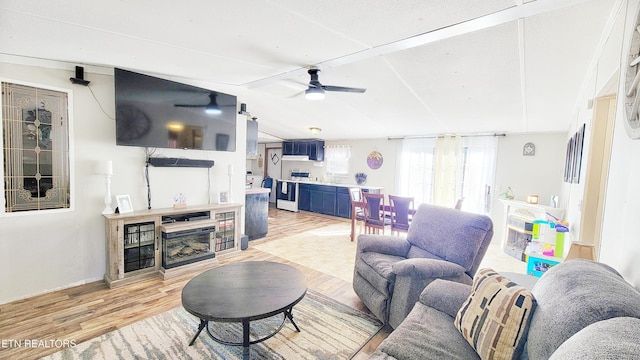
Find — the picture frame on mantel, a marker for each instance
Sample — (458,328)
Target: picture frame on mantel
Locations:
(223,197)
(124,204)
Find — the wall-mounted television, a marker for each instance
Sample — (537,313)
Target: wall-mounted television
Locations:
(158,113)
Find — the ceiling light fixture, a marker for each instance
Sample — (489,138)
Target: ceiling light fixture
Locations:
(314,93)
(213,110)
(315,130)
(212,107)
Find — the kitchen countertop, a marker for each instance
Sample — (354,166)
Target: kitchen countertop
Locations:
(257,191)
(332,184)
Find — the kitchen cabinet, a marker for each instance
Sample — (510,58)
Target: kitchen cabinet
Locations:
(295,148)
(287,148)
(333,200)
(314,149)
(304,197)
(323,199)
(343,203)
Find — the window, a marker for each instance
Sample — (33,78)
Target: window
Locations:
(35,133)
(441,171)
(337,159)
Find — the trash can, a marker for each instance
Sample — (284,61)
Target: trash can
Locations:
(244,242)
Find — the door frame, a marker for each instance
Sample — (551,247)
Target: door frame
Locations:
(595,185)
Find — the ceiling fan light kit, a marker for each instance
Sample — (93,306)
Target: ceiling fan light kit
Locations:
(213,110)
(314,94)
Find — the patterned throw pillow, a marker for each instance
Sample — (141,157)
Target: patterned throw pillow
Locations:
(495,318)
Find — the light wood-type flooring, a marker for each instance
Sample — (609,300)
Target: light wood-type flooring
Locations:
(84,312)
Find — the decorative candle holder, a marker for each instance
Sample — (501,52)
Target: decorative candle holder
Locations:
(107,171)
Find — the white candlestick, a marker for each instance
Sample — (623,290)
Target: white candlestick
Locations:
(107,196)
(106,168)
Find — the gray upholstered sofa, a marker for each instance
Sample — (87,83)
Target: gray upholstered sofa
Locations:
(442,243)
(585,310)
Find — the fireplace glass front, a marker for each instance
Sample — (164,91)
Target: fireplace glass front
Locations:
(186,247)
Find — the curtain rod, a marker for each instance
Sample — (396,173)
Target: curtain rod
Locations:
(441,136)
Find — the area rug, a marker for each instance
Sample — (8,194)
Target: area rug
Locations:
(329,330)
(312,248)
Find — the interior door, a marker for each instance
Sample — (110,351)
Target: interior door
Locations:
(273,168)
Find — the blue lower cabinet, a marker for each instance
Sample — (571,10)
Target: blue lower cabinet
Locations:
(322,199)
(343,205)
(304,197)
(325,199)
(315,201)
(329,203)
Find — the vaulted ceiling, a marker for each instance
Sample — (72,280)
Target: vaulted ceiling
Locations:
(429,66)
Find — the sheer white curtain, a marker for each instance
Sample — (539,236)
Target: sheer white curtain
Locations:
(441,171)
(416,169)
(479,173)
(337,158)
(449,163)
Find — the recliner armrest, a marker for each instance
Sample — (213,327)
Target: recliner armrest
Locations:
(445,296)
(383,244)
(426,268)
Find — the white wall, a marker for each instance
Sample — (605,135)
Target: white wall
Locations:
(540,175)
(44,252)
(620,246)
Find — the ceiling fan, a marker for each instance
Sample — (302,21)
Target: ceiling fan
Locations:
(316,89)
(211,108)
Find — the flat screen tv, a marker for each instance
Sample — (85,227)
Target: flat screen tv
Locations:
(158,113)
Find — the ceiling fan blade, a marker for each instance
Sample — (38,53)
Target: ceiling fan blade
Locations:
(343,89)
(299,93)
(189,106)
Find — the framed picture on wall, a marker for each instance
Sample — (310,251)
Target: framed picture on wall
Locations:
(573,160)
(124,204)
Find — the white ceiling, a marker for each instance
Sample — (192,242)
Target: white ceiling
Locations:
(429,66)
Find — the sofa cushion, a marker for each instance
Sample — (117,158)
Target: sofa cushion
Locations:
(617,338)
(573,295)
(495,317)
(426,333)
(446,296)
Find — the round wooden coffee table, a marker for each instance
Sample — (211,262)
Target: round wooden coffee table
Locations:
(244,292)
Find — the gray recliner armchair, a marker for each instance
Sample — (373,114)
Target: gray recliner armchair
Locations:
(442,243)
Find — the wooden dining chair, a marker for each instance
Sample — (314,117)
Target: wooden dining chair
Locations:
(401,213)
(374,213)
(357,209)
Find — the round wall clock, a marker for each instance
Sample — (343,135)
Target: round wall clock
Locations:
(529,149)
(631,84)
